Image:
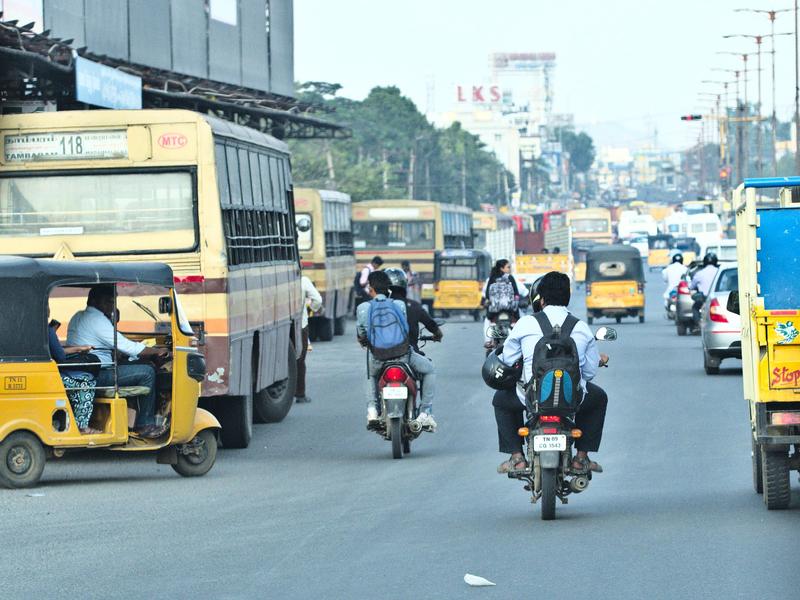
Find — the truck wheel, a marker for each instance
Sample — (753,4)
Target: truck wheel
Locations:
(340,325)
(273,403)
(196,457)
(775,469)
(235,414)
(22,460)
(755,454)
(324,329)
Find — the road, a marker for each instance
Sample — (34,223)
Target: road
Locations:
(316,508)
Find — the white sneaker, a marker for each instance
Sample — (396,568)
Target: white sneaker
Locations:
(372,414)
(427,421)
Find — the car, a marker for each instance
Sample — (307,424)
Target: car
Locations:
(720,329)
(640,242)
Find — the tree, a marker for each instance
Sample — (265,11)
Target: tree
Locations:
(580,147)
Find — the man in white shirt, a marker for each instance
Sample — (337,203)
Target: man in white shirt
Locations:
(363,278)
(312,302)
(673,273)
(509,405)
(94,327)
(701,281)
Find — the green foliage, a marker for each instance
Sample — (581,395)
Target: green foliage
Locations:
(396,153)
(580,147)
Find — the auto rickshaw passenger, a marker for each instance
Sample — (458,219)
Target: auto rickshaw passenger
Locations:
(79,385)
(94,326)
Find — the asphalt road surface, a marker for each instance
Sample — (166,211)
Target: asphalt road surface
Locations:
(316,508)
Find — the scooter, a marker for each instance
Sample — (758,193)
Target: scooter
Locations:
(549,438)
(398,388)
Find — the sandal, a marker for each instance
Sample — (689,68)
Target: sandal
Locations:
(512,464)
(584,465)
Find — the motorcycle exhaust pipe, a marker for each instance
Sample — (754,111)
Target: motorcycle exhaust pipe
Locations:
(414,426)
(579,483)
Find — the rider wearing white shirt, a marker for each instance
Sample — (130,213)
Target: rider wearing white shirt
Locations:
(673,274)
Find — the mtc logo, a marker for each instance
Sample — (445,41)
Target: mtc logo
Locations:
(479,93)
(171,141)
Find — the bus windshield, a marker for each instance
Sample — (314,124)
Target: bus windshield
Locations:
(101,204)
(590,225)
(393,234)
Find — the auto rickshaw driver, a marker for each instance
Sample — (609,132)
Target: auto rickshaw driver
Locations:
(94,326)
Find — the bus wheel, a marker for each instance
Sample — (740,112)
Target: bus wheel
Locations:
(235,414)
(340,325)
(324,329)
(22,460)
(273,403)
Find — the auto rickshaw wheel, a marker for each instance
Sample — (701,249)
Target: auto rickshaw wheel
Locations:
(324,329)
(22,460)
(775,478)
(477,316)
(618,319)
(755,453)
(589,320)
(641,317)
(340,325)
(195,458)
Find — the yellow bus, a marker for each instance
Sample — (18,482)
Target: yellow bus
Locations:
(210,198)
(325,241)
(590,224)
(411,230)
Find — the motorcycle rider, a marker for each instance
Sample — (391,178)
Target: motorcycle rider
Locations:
(501,272)
(550,294)
(673,274)
(701,281)
(414,311)
(379,284)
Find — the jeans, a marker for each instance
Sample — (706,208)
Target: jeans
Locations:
(134,375)
(509,413)
(422,366)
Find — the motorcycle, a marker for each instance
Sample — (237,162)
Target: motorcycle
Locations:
(671,304)
(549,439)
(398,389)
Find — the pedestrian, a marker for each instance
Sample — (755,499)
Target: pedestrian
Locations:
(414,289)
(361,284)
(312,302)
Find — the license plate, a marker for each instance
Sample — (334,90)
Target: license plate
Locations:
(395,393)
(549,442)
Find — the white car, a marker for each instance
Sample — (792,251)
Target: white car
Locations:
(642,244)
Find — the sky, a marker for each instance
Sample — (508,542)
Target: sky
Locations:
(627,69)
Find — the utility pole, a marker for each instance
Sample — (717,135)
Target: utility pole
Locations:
(464,176)
(412,159)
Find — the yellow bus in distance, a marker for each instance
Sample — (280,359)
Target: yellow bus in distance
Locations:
(590,224)
(411,230)
(210,198)
(325,241)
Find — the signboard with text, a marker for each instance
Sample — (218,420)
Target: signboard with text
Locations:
(72,145)
(103,86)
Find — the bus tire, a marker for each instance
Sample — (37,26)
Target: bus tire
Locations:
(235,414)
(272,404)
(324,329)
(340,325)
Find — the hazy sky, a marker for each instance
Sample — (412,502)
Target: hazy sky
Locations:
(624,67)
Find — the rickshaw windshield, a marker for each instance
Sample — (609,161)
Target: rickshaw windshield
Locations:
(459,269)
(614,267)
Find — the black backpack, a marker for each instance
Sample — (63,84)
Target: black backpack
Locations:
(555,386)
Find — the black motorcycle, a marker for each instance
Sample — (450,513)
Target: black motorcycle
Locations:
(549,439)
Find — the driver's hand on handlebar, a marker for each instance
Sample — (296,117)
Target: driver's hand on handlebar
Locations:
(603,360)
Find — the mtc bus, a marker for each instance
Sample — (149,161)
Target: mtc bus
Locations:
(494,232)
(210,198)
(550,219)
(412,230)
(590,224)
(325,241)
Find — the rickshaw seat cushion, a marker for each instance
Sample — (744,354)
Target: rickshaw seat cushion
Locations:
(125,392)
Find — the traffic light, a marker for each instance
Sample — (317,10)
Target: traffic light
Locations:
(692,118)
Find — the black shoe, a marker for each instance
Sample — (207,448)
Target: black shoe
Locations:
(300,399)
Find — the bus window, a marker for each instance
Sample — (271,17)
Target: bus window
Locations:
(393,234)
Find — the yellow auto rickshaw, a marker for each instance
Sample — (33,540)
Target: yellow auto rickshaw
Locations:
(614,283)
(459,276)
(38,414)
(661,249)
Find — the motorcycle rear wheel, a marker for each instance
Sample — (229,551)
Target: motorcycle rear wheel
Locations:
(396,433)
(548,494)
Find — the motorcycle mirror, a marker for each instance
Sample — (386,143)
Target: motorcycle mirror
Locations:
(733,302)
(605,334)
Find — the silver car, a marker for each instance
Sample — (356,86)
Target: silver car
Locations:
(721,330)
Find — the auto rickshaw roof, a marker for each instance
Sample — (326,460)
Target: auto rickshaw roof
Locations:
(25,285)
(613,252)
(46,273)
(617,253)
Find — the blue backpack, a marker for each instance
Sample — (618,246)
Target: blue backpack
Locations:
(387,330)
